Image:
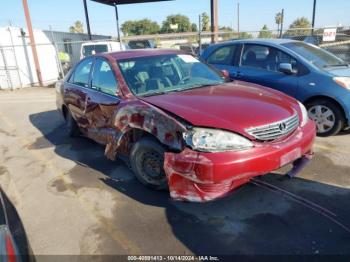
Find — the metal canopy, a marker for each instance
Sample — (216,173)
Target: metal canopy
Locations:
(124,2)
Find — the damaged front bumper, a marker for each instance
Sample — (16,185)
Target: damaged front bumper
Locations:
(199,176)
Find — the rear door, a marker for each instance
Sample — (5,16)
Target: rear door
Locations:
(102,102)
(224,57)
(260,64)
(75,91)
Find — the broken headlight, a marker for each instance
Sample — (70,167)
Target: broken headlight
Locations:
(213,140)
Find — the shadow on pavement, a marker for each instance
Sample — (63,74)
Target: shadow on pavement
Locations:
(251,220)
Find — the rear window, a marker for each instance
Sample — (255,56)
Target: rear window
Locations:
(87,49)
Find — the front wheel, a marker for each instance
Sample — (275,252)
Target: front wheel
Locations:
(147,160)
(328,117)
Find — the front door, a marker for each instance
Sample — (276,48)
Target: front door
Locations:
(260,64)
(102,102)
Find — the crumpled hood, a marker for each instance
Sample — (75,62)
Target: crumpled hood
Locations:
(232,106)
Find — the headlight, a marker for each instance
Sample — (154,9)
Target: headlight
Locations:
(212,140)
(304,114)
(343,81)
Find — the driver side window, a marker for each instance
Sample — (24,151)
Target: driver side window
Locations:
(266,58)
(103,78)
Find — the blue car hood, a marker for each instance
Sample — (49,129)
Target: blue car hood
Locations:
(343,71)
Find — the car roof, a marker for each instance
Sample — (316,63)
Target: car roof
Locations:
(269,41)
(142,53)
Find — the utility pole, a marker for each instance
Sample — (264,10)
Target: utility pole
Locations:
(282,21)
(199,35)
(313,17)
(118,29)
(32,42)
(238,19)
(214,20)
(87,19)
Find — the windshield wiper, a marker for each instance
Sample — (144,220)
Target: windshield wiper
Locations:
(179,90)
(154,94)
(197,86)
(335,65)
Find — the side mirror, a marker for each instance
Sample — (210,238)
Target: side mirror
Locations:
(225,73)
(286,68)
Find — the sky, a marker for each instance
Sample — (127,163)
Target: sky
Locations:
(254,14)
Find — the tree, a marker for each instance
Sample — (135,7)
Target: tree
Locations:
(140,27)
(245,35)
(205,22)
(78,28)
(278,20)
(182,23)
(265,32)
(300,26)
(194,27)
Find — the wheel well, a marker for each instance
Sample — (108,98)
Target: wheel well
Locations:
(64,111)
(314,98)
(132,136)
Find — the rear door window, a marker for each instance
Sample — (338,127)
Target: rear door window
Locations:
(223,55)
(89,49)
(82,73)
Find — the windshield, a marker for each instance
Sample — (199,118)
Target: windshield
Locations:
(315,55)
(160,74)
(87,49)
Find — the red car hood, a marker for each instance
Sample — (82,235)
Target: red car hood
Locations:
(232,106)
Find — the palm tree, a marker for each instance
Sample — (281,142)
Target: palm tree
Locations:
(278,20)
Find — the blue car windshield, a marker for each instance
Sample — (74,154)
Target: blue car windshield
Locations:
(317,56)
(159,74)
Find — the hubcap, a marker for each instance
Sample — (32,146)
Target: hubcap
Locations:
(323,117)
(152,166)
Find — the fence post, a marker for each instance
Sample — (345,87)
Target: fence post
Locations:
(14,54)
(8,76)
(199,36)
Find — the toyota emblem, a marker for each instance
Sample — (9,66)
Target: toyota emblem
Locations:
(282,127)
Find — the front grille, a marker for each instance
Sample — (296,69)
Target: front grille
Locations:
(275,130)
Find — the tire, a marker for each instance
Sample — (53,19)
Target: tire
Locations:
(324,112)
(147,160)
(71,125)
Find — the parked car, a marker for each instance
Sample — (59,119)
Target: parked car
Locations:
(142,44)
(317,78)
(94,47)
(192,48)
(180,123)
(8,247)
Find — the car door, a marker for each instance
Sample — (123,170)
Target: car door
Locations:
(102,102)
(75,91)
(260,64)
(223,58)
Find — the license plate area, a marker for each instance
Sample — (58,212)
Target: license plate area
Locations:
(290,157)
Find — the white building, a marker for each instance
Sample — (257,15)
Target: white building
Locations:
(17,68)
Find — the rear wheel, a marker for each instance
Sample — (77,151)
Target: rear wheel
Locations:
(328,117)
(147,160)
(71,125)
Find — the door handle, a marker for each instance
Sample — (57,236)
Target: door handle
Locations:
(238,74)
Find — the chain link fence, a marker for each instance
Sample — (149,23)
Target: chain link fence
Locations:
(59,51)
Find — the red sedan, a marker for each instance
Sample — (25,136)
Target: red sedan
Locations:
(181,124)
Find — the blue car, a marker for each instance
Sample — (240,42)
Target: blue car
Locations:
(312,75)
